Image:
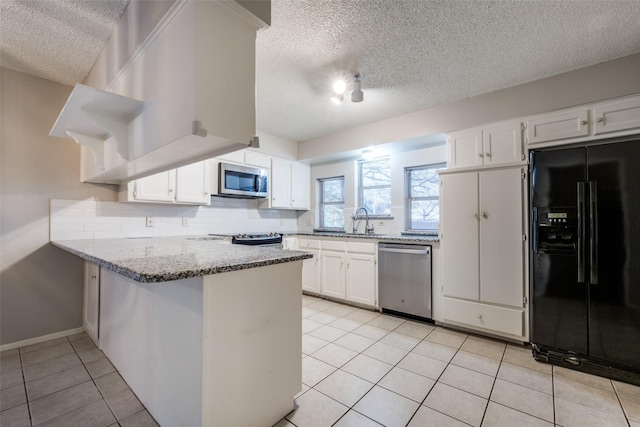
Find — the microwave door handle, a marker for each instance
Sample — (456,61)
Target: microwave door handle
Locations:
(256,183)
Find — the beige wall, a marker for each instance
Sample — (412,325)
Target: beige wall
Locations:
(603,81)
(40,285)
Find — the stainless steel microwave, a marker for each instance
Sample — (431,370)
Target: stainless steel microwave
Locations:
(242,181)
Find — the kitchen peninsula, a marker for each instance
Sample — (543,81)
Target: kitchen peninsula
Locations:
(204,332)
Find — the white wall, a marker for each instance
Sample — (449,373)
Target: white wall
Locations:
(599,82)
(40,285)
(348,169)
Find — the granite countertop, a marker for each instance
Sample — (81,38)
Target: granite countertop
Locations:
(161,259)
(399,237)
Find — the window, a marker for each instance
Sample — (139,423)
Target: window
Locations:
(422,205)
(375,186)
(332,202)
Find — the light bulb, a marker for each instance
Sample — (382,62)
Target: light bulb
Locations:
(339,86)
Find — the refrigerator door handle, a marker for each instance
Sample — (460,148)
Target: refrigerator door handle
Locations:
(581,231)
(593,232)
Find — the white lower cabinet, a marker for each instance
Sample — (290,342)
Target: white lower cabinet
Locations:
(361,279)
(341,270)
(333,267)
(91,310)
(311,267)
(483,250)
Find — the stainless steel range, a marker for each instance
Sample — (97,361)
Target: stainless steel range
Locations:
(273,240)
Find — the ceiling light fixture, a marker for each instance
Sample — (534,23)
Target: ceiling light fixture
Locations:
(339,87)
(357,95)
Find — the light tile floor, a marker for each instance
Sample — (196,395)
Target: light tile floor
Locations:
(65,382)
(360,368)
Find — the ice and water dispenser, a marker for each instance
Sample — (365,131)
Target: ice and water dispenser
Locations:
(556,230)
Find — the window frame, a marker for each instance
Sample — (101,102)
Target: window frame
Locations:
(408,199)
(322,203)
(361,189)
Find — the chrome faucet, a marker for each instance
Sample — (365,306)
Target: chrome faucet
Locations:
(367,229)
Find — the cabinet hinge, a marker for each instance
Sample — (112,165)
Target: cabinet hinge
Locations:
(522,157)
(524,301)
(135,194)
(522,127)
(524,237)
(523,174)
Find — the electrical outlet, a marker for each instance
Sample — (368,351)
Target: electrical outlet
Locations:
(185,221)
(150,221)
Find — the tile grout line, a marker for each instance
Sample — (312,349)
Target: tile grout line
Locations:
(615,391)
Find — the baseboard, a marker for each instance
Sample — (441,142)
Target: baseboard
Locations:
(43,338)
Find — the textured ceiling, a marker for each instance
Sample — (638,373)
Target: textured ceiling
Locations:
(416,54)
(58,40)
(413,54)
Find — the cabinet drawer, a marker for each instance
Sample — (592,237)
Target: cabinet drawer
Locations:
(330,245)
(308,244)
(476,315)
(362,248)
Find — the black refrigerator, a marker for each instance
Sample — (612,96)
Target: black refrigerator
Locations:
(585,257)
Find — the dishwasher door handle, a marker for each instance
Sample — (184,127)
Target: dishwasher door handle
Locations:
(406,251)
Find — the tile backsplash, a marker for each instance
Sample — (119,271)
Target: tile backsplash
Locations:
(90,219)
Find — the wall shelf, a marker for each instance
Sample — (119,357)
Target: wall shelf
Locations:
(92,116)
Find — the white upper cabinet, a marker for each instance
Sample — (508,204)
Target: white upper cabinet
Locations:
(617,116)
(300,185)
(280,183)
(185,185)
(555,126)
(465,148)
(488,146)
(195,75)
(606,119)
(290,184)
(159,187)
(255,158)
(192,184)
(502,143)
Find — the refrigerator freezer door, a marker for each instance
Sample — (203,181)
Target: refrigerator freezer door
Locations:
(558,301)
(614,321)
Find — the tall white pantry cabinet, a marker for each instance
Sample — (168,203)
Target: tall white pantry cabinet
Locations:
(483,250)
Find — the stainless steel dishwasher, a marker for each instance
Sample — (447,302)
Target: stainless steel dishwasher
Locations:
(404,279)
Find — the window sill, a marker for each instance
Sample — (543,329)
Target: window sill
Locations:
(376,217)
(419,233)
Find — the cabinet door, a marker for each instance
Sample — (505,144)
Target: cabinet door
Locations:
(502,144)
(361,279)
(311,273)
(233,157)
(192,184)
(459,214)
(333,276)
(156,188)
(254,158)
(280,183)
(465,148)
(501,231)
(300,185)
(617,116)
(552,127)
(91,310)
